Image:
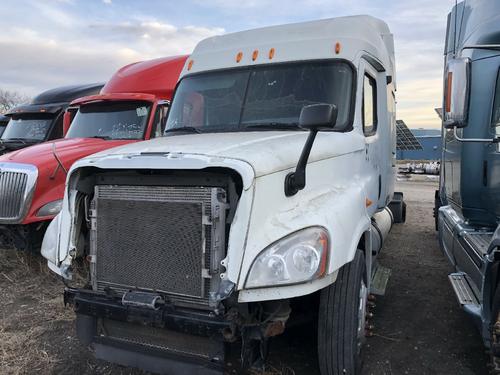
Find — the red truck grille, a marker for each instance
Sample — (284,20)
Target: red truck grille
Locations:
(17,182)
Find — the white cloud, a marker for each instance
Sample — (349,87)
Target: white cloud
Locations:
(77,41)
(35,62)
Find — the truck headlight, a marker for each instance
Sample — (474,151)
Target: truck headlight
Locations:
(50,209)
(299,257)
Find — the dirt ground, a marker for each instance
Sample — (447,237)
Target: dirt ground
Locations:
(419,328)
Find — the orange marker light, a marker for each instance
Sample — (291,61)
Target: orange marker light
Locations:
(324,257)
(239,56)
(368,202)
(255,54)
(271,53)
(190,64)
(337,48)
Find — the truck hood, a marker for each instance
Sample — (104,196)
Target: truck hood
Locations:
(68,151)
(265,151)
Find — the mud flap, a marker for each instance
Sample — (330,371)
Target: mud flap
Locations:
(398,208)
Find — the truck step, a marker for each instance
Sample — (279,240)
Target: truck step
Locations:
(463,291)
(380,278)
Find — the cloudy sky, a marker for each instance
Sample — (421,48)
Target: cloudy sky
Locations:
(51,43)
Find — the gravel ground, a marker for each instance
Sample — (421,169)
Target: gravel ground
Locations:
(419,328)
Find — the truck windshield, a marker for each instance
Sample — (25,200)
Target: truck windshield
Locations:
(116,120)
(270,96)
(27,128)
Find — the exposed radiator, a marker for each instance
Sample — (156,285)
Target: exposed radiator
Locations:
(164,239)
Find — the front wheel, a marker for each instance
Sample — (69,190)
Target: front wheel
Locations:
(341,320)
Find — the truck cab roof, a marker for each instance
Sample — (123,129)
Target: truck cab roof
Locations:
(54,100)
(345,38)
(156,77)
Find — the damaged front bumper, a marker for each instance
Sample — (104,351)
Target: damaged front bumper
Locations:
(165,339)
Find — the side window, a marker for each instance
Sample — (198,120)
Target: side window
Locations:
(160,121)
(369,105)
(495,117)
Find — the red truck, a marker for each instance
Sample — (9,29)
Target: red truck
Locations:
(132,107)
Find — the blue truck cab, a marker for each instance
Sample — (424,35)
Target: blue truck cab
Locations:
(468,201)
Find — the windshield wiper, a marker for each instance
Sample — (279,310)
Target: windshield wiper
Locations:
(187,129)
(105,137)
(274,126)
(21,140)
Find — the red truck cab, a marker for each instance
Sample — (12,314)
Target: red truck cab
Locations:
(132,107)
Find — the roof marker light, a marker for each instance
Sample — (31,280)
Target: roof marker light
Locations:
(271,53)
(190,64)
(255,54)
(337,48)
(239,56)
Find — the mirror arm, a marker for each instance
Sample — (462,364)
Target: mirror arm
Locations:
(296,181)
(480,140)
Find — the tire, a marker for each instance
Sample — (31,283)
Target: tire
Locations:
(495,334)
(341,320)
(437,204)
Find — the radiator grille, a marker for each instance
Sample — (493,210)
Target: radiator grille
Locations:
(154,238)
(12,194)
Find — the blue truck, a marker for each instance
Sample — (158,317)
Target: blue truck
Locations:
(468,201)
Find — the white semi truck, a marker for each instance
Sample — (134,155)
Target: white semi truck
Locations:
(266,202)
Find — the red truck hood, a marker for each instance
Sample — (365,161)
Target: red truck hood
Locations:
(68,151)
(51,178)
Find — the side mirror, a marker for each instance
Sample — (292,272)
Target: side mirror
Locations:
(451,124)
(314,117)
(318,117)
(456,93)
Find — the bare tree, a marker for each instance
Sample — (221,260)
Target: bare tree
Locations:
(10,99)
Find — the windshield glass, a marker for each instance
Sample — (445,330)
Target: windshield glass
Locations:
(266,95)
(118,120)
(27,128)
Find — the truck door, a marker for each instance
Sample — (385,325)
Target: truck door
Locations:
(374,124)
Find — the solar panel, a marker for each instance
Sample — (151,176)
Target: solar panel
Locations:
(405,138)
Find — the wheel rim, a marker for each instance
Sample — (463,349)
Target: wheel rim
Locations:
(363,297)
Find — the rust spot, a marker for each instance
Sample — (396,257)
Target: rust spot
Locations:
(274,328)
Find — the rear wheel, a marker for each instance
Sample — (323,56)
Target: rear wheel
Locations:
(495,334)
(341,320)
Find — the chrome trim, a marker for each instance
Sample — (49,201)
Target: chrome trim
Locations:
(31,172)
